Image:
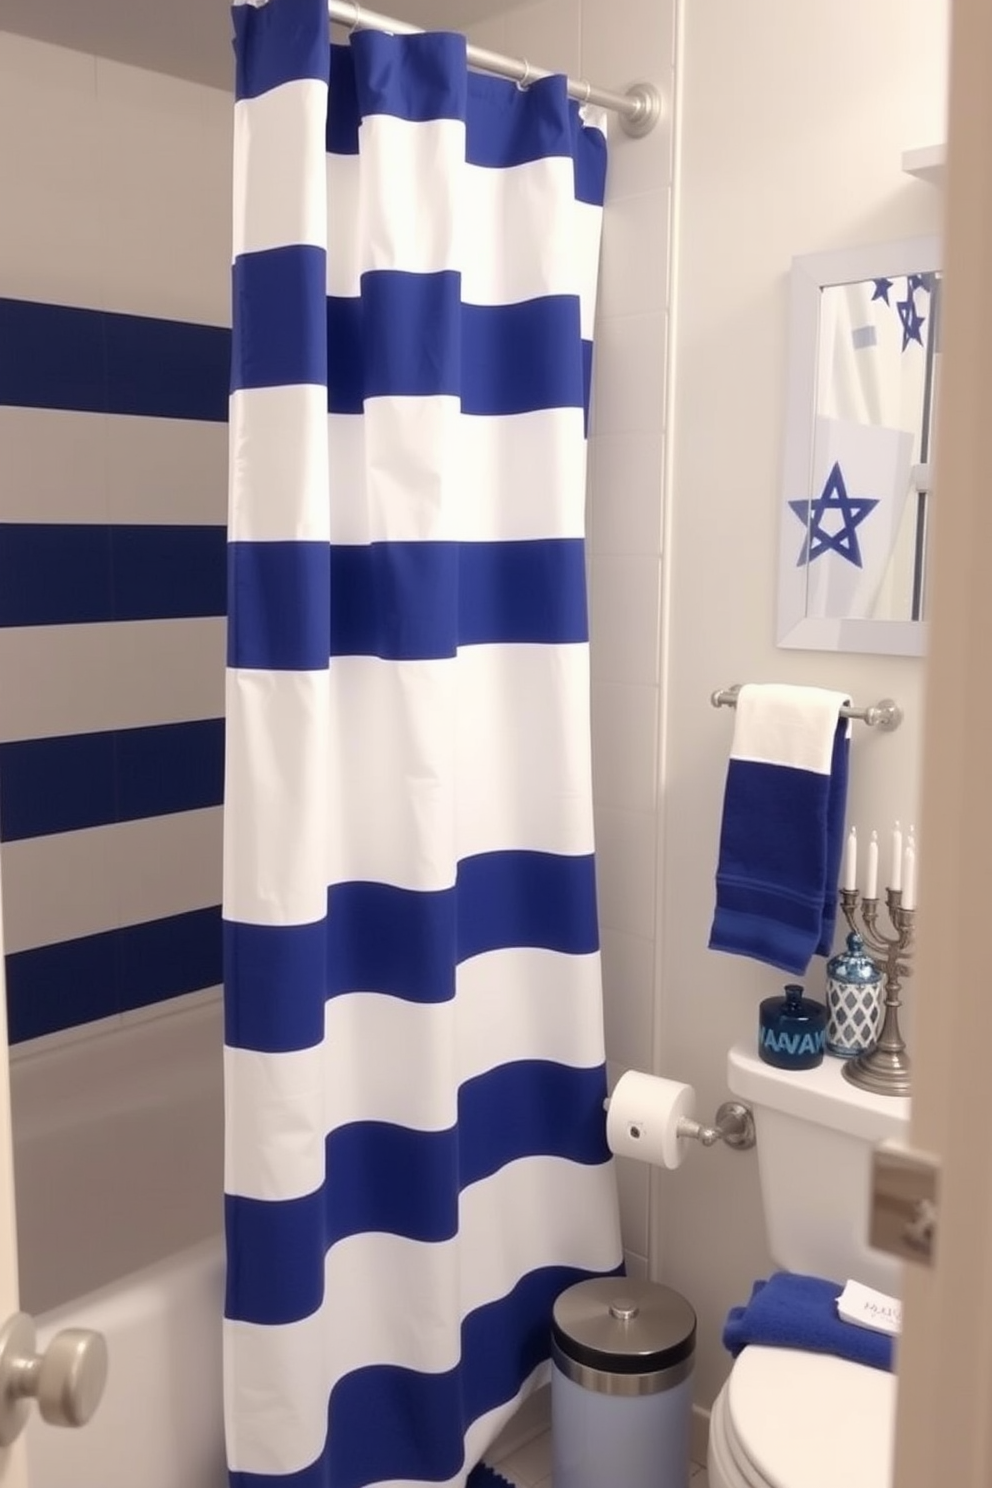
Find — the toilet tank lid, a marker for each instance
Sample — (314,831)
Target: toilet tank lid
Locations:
(812,1420)
(820,1095)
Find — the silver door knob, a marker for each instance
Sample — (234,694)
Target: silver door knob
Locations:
(67,1380)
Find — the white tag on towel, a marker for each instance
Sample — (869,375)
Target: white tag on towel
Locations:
(869,1309)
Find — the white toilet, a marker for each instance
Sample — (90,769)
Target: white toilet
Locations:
(787,1418)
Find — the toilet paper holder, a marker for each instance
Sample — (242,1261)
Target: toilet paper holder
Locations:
(733,1126)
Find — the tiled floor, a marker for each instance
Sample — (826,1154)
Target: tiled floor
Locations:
(530,1466)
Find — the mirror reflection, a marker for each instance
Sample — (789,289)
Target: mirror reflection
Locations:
(861,533)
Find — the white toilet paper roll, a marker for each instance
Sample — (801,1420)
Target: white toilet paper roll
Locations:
(643,1117)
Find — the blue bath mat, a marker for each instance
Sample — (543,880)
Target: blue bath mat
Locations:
(487,1477)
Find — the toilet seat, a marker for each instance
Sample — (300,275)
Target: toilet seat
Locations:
(790,1419)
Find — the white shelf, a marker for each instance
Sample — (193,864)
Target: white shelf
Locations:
(927,164)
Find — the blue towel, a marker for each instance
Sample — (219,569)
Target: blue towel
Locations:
(783,826)
(790,1311)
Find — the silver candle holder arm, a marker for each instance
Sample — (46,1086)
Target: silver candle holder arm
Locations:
(884,1069)
(885,715)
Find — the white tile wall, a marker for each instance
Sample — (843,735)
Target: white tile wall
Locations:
(548,33)
(166,470)
(52,244)
(181,858)
(63,466)
(91,677)
(625,471)
(78,883)
(621,43)
(628,978)
(625,744)
(634,270)
(164,152)
(53,466)
(118,193)
(626,597)
(633,1180)
(629,371)
(490,33)
(114,194)
(57,888)
(625,872)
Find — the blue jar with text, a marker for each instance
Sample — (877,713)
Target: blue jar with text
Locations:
(792,1032)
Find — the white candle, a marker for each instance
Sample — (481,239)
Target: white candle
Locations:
(909,873)
(849,879)
(871,887)
(895,882)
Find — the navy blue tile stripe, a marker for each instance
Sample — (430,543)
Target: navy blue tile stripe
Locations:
(421,1418)
(76,573)
(395,1180)
(504,125)
(75,981)
(73,781)
(401,601)
(402,942)
(100,361)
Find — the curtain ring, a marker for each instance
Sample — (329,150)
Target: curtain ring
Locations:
(524,82)
(356,22)
(588,88)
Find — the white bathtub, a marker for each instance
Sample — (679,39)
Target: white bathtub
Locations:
(118,1155)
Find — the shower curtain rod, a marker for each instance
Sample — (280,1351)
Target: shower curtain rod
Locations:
(639,107)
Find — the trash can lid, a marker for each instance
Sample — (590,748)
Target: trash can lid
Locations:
(622,1325)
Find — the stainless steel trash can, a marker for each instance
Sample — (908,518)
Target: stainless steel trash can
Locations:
(621,1385)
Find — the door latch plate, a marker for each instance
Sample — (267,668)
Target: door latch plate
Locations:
(904,1203)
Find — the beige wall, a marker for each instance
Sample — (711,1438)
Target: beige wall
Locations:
(794,119)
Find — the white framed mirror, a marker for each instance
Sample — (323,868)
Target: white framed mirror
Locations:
(864,374)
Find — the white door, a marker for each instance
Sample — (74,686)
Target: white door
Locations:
(944,1424)
(944,1431)
(13,1460)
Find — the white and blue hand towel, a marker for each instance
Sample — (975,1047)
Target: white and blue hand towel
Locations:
(783,826)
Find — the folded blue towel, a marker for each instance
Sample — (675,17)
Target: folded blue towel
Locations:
(783,826)
(791,1311)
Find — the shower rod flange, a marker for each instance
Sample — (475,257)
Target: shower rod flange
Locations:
(648,115)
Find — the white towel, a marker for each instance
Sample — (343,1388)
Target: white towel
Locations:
(783,826)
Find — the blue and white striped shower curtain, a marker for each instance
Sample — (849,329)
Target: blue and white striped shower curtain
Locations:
(416,1163)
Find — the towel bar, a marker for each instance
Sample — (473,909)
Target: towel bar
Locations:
(884,715)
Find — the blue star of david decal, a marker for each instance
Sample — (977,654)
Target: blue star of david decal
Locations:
(882,287)
(834,498)
(912,320)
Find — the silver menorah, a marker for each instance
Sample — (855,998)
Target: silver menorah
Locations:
(884,1068)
